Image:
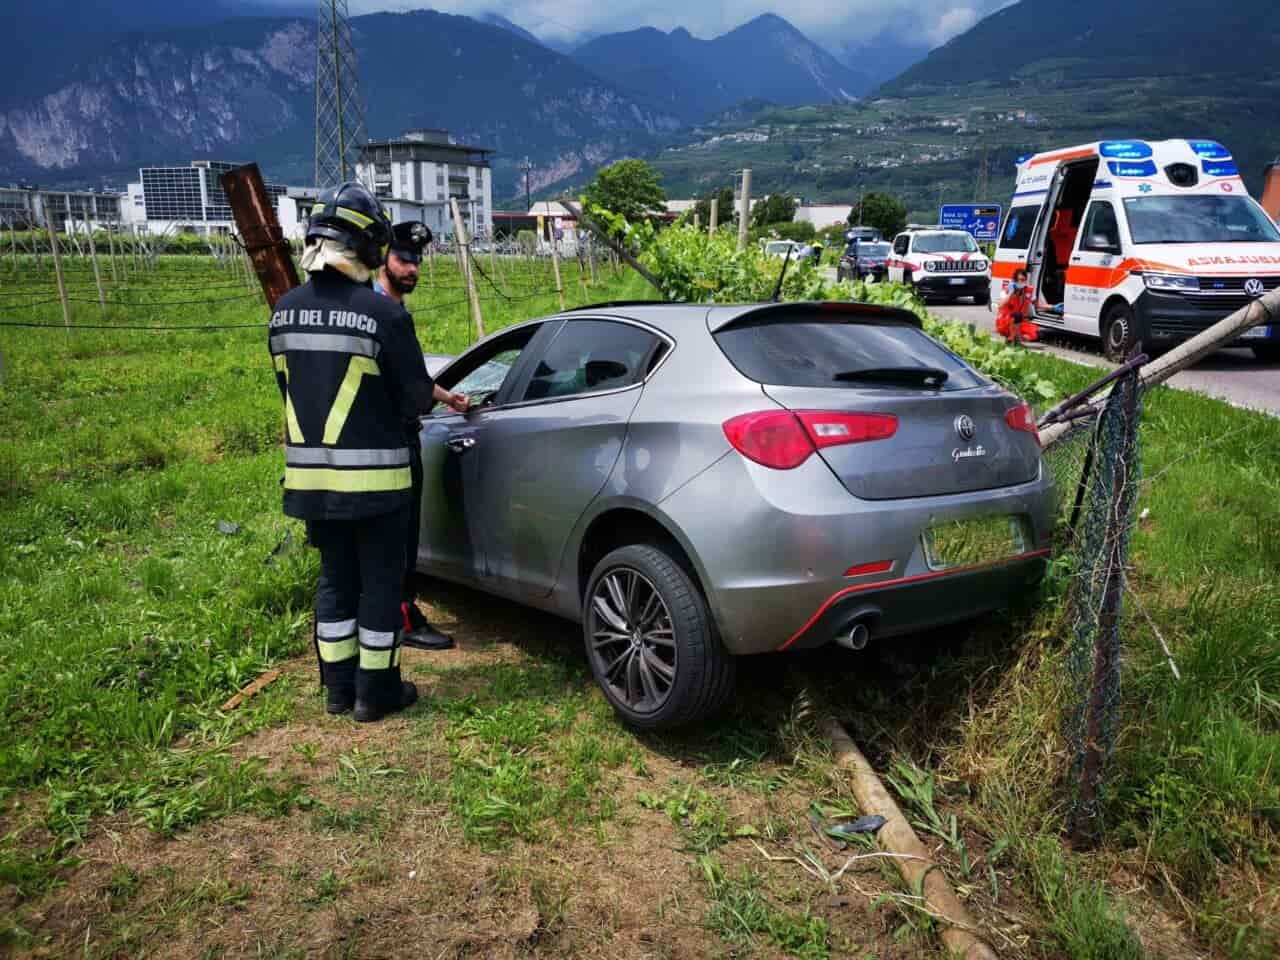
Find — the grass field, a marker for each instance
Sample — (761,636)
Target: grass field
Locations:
(146,574)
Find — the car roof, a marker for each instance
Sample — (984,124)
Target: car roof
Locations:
(675,318)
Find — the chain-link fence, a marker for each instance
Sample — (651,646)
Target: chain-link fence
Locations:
(1096,464)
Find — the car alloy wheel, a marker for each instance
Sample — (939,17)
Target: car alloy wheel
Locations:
(651,640)
(632,640)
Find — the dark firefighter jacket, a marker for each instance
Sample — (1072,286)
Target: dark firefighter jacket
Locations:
(351,374)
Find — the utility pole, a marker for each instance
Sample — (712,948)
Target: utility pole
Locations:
(528,204)
(340,127)
(744,209)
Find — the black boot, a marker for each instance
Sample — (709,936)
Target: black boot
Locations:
(421,634)
(382,692)
(339,681)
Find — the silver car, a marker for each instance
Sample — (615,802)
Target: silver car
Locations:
(696,483)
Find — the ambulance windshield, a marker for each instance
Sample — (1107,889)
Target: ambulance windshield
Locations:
(945,243)
(1203,219)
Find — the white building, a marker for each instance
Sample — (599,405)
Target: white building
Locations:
(824,214)
(417,175)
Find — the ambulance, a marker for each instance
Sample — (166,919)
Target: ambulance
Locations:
(1142,243)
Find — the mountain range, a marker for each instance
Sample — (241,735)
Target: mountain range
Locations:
(692,78)
(243,88)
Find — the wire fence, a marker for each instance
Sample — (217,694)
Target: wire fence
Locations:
(1097,468)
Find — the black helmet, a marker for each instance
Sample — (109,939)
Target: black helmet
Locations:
(350,214)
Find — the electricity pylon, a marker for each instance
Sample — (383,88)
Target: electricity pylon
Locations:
(340,130)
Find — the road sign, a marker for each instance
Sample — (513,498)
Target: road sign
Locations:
(980,221)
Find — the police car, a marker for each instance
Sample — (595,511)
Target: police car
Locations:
(1142,242)
(940,264)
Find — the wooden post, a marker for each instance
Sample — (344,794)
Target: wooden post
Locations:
(460,234)
(111,252)
(697,220)
(591,258)
(97,274)
(268,255)
(124,259)
(13,247)
(959,932)
(715,212)
(57,269)
(555,266)
(744,209)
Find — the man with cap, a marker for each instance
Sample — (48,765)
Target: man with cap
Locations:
(396,278)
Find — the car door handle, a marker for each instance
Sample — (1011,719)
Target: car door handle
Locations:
(1076,258)
(460,444)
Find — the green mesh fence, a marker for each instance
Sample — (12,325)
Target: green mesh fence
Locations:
(1097,468)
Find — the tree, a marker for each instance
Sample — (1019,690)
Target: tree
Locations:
(629,188)
(724,207)
(882,211)
(776,208)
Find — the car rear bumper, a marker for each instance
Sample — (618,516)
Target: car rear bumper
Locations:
(773,548)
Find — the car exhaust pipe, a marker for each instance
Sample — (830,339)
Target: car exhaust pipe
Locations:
(856,639)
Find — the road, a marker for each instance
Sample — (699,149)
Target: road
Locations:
(1230,375)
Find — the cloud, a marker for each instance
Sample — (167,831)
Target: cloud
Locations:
(834,25)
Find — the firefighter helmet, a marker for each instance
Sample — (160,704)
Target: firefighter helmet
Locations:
(350,214)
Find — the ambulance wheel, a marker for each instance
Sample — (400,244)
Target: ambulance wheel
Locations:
(1267,352)
(1119,333)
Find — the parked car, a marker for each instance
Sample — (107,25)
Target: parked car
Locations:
(870,234)
(696,483)
(779,248)
(864,259)
(940,264)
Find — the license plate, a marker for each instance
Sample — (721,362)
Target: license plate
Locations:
(1255,333)
(956,281)
(970,543)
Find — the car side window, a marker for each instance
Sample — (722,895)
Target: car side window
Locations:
(481,374)
(1101,231)
(900,245)
(593,355)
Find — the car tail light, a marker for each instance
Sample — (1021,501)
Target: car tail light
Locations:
(773,438)
(832,429)
(1021,418)
(783,440)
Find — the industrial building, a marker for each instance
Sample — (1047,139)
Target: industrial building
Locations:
(185,199)
(416,175)
(25,207)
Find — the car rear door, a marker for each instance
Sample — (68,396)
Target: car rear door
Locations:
(547,454)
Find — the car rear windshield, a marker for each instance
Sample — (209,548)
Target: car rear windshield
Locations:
(826,352)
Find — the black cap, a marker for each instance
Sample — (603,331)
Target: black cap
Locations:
(408,240)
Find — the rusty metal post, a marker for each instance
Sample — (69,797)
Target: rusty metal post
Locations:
(264,241)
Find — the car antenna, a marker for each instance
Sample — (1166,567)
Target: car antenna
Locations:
(777,291)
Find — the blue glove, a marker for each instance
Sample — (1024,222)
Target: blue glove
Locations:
(1058,308)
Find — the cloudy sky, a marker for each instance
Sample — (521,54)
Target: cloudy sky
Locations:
(833,23)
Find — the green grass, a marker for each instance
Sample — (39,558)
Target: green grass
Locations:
(127,615)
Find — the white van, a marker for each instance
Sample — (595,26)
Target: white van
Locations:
(1142,242)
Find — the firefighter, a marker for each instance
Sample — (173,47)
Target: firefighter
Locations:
(349,380)
(396,279)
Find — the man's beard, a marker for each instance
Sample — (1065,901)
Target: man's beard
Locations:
(402,285)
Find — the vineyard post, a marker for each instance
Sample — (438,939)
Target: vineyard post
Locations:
(57,268)
(97,274)
(460,232)
(111,251)
(555,266)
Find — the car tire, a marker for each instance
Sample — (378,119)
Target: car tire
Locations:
(619,606)
(1119,333)
(1266,352)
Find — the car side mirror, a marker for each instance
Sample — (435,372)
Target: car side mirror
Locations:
(597,371)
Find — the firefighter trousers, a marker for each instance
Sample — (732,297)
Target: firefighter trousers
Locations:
(361,578)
